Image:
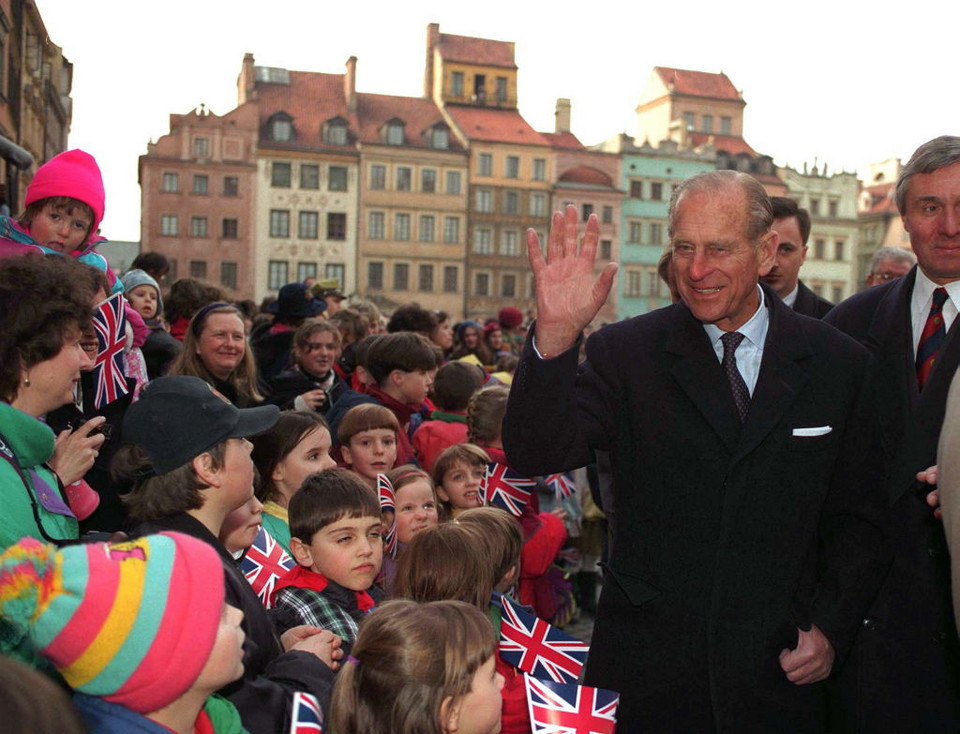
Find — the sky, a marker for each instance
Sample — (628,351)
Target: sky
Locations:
(840,82)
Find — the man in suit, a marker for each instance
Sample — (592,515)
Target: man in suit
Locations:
(748,541)
(792,225)
(903,673)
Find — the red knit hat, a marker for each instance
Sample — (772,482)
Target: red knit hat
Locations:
(510,317)
(73,173)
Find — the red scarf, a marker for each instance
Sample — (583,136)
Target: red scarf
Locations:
(304,578)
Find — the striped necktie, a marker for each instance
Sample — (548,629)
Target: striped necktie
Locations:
(931,338)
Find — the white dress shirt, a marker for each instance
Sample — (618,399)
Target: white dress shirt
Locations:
(921,301)
(749,353)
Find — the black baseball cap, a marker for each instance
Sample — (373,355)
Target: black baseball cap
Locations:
(178,418)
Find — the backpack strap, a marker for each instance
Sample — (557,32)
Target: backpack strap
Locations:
(6,453)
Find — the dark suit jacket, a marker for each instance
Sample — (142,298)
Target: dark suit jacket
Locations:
(728,536)
(809,303)
(904,671)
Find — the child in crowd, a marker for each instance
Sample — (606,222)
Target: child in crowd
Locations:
(426,668)
(503,541)
(188,467)
(368,437)
(312,382)
(415,502)
(113,620)
(458,475)
(241,527)
(297,446)
(336,526)
(143,294)
(455,383)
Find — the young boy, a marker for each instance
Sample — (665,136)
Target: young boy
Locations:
(335,526)
(454,385)
(368,437)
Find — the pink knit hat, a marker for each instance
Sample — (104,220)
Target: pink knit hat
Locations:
(132,623)
(73,173)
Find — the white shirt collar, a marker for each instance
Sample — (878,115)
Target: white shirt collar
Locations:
(754,330)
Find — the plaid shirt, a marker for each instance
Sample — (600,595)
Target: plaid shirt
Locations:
(334,609)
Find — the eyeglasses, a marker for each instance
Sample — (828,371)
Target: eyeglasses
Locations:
(885,276)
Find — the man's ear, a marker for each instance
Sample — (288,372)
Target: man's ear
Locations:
(301,552)
(449,715)
(767,252)
(203,467)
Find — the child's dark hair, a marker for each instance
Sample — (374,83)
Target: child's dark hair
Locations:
(454,384)
(365,417)
(485,414)
(408,659)
(412,317)
(501,536)
(403,351)
(155,264)
(507,363)
(150,496)
(65,204)
(445,562)
(351,324)
(272,447)
(187,296)
(326,497)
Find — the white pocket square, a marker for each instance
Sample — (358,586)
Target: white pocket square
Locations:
(817,431)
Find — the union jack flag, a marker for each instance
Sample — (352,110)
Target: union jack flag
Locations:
(562,485)
(566,708)
(110,323)
(388,503)
(306,717)
(505,488)
(537,647)
(265,562)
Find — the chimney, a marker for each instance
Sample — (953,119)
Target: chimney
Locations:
(350,84)
(433,38)
(246,80)
(562,116)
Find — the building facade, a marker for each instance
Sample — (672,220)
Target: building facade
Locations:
(879,222)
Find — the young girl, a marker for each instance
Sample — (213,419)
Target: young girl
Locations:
(426,668)
(458,474)
(297,446)
(416,510)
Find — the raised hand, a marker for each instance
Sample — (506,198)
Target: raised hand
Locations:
(568,295)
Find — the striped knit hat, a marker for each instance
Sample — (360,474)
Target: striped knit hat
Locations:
(132,623)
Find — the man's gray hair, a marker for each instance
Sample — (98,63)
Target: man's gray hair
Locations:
(896,254)
(759,209)
(929,157)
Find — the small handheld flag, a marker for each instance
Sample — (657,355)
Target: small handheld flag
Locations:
(568,708)
(265,562)
(388,503)
(505,488)
(110,325)
(306,716)
(562,486)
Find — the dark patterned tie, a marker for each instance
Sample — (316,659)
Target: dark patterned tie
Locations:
(741,395)
(931,338)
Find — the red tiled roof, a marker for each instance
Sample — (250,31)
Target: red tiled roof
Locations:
(586,175)
(563,140)
(698,83)
(476,51)
(500,126)
(727,143)
(418,114)
(310,99)
(881,199)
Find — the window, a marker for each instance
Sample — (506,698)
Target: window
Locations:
(656,233)
(482,242)
(401,227)
(404,178)
(539,169)
(508,243)
(375,275)
(231,186)
(439,138)
(335,133)
(425,279)
(656,191)
(279,223)
(481,284)
(230,229)
(309,176)
(484,164)
(201,184)
(280,174)
(636,189)
(376,226)
(201,147)
(450,278)
(228,275)
(198,269)
(837,293)
(606,247)
(688,120)
(501,89)
(305,271)
(456,84)
(511,202)
(428,180)
(335,271)
(338,179)
(401,276)
(451,230)
(336,226)
(608,215)
(277,274)
(281,130)
(513,166)
(838,248)
(508,285)
(479,88)
(707,122)
(171,182)
(634,233)
(484,201)
(395,134)
(833,206)
(815,207)
(725,125)
(653,283)
(168,225)
(309,226)
(453,182)
(427,228)
(634,283)
(587,211)
(378,176)
(538,205)
(819,249)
